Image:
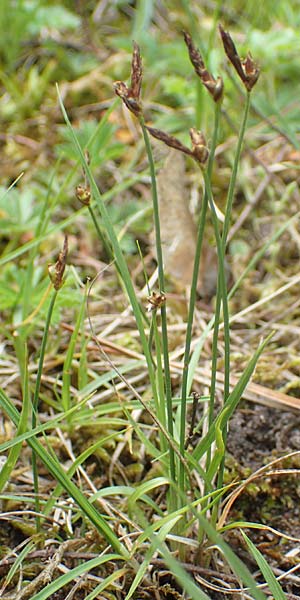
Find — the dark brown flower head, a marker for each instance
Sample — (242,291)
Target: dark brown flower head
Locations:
(199,150)
(56,271)
(155,301)
(214,86)
(246,69)
(131,96)
(83,194)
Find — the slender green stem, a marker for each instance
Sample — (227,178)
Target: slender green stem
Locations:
(161,279)
(161,408)
(35,402)
(223,288)
(221,298)
(228,209)
(102,236)
(234,171)
(224,242)
(192,301)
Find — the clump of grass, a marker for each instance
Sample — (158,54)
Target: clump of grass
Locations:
(190,477)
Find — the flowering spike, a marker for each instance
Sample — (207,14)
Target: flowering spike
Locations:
(195,56)
(199,149)
(136,71)
(83,194)
(56,271)
(251,70)
(131,95)
(214,86)
(247,70)
(155,301)
(169,140)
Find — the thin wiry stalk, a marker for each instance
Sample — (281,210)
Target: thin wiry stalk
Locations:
(35,403)
(101,235)
(222,295)
(200,234)
(160,405)
(224,242)
(232,183)
(219,295)
(161,278)
(221,298)
(193,292)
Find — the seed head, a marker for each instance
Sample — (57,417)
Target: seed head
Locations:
(214,86)
(83,194)
(56,271)
(131,95)
(246,69)
(155,301)
(199,146)
(199,149)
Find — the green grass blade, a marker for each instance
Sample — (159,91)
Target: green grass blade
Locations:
(19,438)
(67,368)
(234,561)
(183,578)
(75,464)
(144,488)
(18,562)
(68,577)
(232,403)
(106,583)
(163,310)
(60,476)
(21,427)
(265,569)
(157,538)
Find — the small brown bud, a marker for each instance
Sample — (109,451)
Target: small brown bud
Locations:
(56,271)
(214,86)
(199,146)
(83,194)
(155,301)
(251,71)
(247,70)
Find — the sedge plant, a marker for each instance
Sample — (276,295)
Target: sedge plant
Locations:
(131,96)
(181,460)
(189,509)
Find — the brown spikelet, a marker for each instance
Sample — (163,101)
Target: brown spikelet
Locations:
(246,69)
(199,150)
(214,86)
(199,146)
(195,56)
(155,301)
(83,194)
(131,95)
(56,271)
(136,72)
(169,140)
